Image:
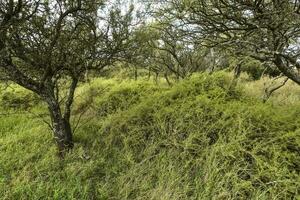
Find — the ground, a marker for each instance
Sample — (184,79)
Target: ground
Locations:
(202,138)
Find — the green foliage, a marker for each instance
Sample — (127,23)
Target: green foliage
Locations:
(200,139)
(15,97)
(123,97)
(255,69)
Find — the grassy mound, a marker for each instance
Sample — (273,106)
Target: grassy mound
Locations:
(200,139)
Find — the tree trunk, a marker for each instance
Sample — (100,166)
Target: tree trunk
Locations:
(156,77)
(60,123)
(135,73)
(270,90)
(60,119)
(288,71)
(167,79)
(61,129)
(237,70)
(236,75)
(149,74)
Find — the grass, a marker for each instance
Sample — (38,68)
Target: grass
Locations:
(200,139)
(289,94)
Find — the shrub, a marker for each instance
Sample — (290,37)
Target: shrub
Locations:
(18,98)
(200,139)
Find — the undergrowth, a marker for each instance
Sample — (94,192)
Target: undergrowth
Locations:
(200,139)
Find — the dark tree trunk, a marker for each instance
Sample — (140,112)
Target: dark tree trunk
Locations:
(238,70)
(60,120)
(288,71)
(61,129)
(156,77)
(177,73)
(167,79)
(149,74)
(135,73)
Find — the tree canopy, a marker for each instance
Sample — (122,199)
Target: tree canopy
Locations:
(266,30)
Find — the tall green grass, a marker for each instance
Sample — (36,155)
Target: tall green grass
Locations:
(200,139)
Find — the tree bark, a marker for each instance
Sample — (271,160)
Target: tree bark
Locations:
(156,77)
(60,120)
(135,73)
(61,128)
(167,79)
(287,70)
(63,136)
(270,90)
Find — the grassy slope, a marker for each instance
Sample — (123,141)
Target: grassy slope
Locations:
(196,140)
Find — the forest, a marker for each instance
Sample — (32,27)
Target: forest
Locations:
(150,99)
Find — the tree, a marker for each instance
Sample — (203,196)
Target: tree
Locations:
(48,47)
(266,30)
(179,55)
(164,50)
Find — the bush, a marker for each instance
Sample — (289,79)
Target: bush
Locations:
(255,69)
(200,139)
(18,98)
(195,141)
